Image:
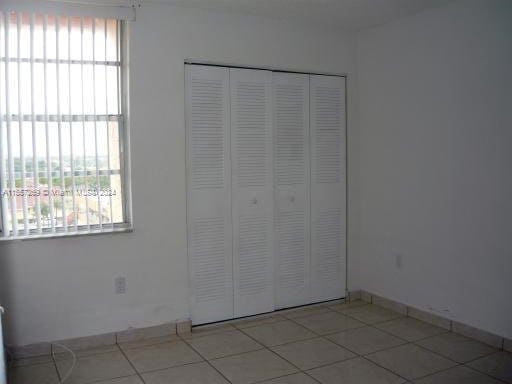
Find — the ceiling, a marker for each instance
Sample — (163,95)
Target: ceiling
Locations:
(345,14)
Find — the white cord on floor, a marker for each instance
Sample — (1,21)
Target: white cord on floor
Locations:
(73,355)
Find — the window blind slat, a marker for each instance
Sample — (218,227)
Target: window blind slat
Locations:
(46,127)
(86,182)
(10,157)
(59,125)
(71,139)
(20,126)
(99,210)
(3,173)
(108,132)
(35,163)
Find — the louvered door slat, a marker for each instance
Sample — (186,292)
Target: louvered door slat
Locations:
(251,151)
(291,154)
(209,228)
(328,187)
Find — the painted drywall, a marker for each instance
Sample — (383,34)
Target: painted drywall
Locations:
(63,288)
(435,158)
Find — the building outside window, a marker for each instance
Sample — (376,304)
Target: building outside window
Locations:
(62,126)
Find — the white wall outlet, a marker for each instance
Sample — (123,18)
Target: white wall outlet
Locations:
(120,285)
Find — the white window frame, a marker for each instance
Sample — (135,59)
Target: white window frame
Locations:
(123,132)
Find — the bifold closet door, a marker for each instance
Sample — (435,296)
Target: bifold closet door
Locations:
(209,228)
(291,167)
(328,187)
(252,190)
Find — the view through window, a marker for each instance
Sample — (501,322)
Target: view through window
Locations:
(61,124)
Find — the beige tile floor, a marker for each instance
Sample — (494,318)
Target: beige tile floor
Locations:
(355,343)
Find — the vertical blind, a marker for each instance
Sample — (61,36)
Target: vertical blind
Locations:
(61,124)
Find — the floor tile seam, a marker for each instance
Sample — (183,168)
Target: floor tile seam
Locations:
(276,354)
(375,322)
(139,375)
(342,310)
(144,346)
(345,330)
(433,352)
(302,326)
(446,357)
(369,353)
(412,318)
(206,360)
(259,325)
(84,356)
(449,358)
(385,368)
(485,373)
(198,336)
(389,333)
(280,377)
(231,354)
(445,331)
(113,378)
(413,344)
(457,364)
(10,365)
(55,366)
(305,371)
(435,373)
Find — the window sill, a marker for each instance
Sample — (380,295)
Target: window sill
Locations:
(122,228)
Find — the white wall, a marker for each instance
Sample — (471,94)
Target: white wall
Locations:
(435,153)
(63,288)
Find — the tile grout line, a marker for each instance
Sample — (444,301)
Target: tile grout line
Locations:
(159,369)
(102,381)
(385,368)
(281,357)
(157,342)
(458,365)
(426,349)
(414,343)
(433,352)
(229,355)
(259,325)
(357,355)
(336,362)
(450,322)
(130,362)
(280,377)
(402,338)
(485,373)
(59,377)
(205,359)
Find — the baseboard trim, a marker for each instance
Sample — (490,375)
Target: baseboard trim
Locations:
(439,321)
(184,326)
(97,341)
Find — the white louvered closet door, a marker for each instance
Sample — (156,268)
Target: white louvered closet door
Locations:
(328,187)
(291,175)
(252,190)
(209,226)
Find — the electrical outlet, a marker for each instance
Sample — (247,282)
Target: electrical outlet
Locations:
(120,285)
(398,260)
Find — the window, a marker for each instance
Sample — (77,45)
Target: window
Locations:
(61,125)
